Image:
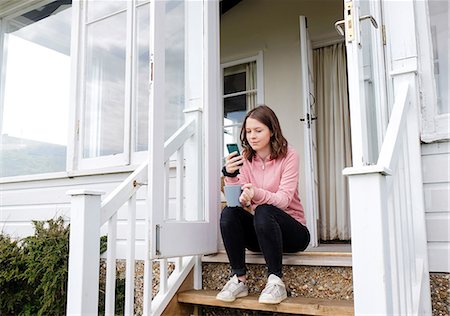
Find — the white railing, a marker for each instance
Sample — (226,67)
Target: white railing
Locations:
(89,214)
(389,246)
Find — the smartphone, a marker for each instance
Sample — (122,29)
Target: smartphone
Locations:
(232,148)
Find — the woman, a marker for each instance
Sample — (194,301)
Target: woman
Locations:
(271,219)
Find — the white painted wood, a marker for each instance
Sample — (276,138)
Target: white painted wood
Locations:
(438,227)
(358,118)
(84,253)
(124,191)
(312,211)
(439,252)
(396,123)
(110,288)
(163,275)
(437,197)
(156,142)
(370,254)
(178,138)
(161,301)
(436,168)
(130,260)
(180,185)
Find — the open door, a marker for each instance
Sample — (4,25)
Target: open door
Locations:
(184,94)
(366,78)
(309,127)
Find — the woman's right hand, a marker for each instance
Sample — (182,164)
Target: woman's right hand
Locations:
(233,162)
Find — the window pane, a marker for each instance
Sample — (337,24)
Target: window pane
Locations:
(175,66)
(100,8)
(235,109)
(143,73)
(234,83)
(36,91)
(105,87)
(440,37)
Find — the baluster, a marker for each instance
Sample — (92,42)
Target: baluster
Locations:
(130,263)
(148,284)
(110,293)
(400,242)
(166,188)
(178,264)
(163,276)
(393,244)
(409,236)
(180,181)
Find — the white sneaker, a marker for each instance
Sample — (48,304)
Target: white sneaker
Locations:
(232,290)
(274,292)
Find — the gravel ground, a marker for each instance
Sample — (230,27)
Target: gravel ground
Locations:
(440,293)
(306,281)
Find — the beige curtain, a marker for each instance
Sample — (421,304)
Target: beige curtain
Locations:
(333,137)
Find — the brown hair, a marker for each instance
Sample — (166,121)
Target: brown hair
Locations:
(278,143)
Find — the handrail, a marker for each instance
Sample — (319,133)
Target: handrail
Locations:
(178,139)
(396,124)
(132,183)
(123,192)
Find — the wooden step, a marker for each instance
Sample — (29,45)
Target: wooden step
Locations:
(291,305)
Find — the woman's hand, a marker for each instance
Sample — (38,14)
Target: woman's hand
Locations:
(233,162)
(248,192)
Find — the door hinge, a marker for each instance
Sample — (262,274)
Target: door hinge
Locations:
(383,33)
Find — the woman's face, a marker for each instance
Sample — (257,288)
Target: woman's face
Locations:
(258,135)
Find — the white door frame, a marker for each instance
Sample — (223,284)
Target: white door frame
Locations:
(311,207)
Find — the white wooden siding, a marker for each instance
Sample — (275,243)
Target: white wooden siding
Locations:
(22,202)
(436,184)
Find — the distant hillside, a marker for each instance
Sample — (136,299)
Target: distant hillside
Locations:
(23,156)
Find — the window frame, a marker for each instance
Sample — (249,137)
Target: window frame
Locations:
(435,126)
(259,59)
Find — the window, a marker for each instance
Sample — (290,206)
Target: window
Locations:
(114,110)
(115,82)
(242,91)
(433,43)
(34,89)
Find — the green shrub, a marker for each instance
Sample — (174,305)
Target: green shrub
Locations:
(33,271)
(14,291)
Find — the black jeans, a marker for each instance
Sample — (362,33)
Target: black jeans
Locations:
(271,231)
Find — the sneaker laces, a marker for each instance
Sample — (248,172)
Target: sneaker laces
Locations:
(271,288)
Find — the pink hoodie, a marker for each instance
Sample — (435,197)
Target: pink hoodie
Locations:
(275,183)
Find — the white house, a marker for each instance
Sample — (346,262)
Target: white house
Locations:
(115,113)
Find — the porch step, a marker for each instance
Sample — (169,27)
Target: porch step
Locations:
(292,305)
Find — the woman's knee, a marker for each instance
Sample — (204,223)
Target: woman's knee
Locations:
(227,217)
(264,216)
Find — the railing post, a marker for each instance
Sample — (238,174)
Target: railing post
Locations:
(372,286)
(84,252)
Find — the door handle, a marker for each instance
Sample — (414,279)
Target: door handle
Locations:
(371,18)
(338,25)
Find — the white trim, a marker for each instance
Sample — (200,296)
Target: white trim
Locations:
(259,59)
(72,123)
(260,77)
(434,126)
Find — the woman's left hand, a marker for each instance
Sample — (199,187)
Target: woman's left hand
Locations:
(247,194)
